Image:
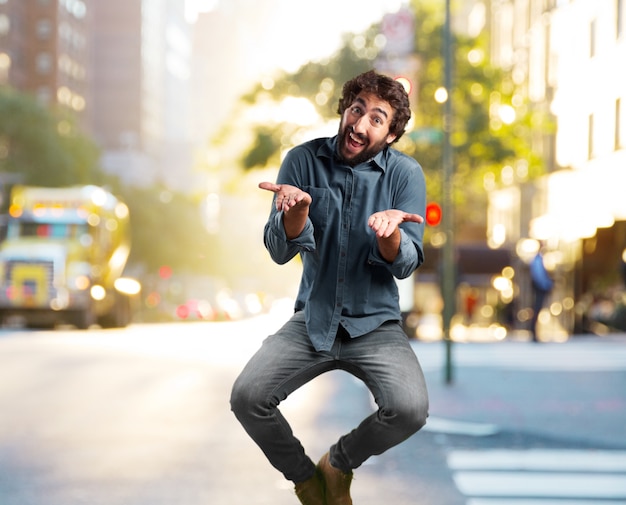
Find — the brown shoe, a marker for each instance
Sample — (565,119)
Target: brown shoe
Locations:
(311,491)
(336,482)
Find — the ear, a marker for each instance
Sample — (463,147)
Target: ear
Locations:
(391,138)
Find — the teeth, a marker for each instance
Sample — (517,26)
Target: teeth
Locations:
(356,139)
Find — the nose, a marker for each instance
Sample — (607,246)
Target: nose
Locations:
(359,125)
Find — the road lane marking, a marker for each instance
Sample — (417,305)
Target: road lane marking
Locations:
(452,427)
(515,501)
(539,476)
(539,460)
(542,485)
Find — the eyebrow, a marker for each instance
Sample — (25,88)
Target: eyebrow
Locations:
(362,102)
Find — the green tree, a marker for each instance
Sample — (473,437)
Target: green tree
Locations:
(483,143)
(319,82)
(43,146)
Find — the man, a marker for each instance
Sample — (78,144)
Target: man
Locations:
(351,206)
(542,284)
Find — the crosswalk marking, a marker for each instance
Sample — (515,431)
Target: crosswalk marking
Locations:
(541,485)
(499,501)
(539,477)
(452,427)
(540,460)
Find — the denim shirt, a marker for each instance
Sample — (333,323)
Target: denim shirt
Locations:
(345,281)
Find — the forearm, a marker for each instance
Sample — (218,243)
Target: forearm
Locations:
(389,246)
(294,221)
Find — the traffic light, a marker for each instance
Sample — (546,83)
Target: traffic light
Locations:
(433,214)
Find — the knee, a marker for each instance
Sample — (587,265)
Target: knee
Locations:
(415,419)
(240,399)
(246,401)
(410,417)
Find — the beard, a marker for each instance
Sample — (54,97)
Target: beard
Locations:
(368,152)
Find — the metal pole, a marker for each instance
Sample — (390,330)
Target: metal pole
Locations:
(448,265)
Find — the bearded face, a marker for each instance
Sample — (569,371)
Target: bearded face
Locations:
(364,129)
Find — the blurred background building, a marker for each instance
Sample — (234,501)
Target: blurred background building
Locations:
(45,49)
(141,75)
(122,66)
(566,56)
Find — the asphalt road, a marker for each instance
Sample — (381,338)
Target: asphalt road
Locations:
(140,417)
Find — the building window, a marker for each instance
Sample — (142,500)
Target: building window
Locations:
(592,39)
(5,24)
(77,8)
(590,132)
(43,63)
(5,66)
(44,29)
(618,124)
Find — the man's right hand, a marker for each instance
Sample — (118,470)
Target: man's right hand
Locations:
(295,206)
(287,197)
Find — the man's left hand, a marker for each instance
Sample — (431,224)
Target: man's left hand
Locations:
(386,222)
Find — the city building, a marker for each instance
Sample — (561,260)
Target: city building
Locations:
(141,80)
(45,50)
(566,58)
(123,67)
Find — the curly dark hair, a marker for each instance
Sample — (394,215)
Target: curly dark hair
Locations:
(385,88)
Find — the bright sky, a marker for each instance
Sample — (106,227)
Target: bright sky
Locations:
(319,36)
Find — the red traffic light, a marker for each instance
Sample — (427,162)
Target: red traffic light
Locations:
(433,214)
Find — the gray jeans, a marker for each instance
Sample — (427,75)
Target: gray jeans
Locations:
(382,359)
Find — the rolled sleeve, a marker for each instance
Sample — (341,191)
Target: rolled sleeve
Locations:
(407,260)
(280,248)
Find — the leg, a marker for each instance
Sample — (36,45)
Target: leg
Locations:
(286,361)
(385,361)
(538,302)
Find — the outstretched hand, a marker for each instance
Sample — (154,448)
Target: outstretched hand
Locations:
(287,197)
(386,222)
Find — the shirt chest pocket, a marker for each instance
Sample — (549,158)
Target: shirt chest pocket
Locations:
(319,209)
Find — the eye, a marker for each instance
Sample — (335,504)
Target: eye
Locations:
(355,109)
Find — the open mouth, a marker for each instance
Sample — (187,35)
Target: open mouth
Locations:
(355,142)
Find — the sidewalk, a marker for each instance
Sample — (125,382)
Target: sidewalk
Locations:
(574,390)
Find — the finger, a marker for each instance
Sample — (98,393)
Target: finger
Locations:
(287,201)
(269,186)
(415,218)
(386,229)
(282,202)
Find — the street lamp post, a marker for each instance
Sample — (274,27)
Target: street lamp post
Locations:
(448,269)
